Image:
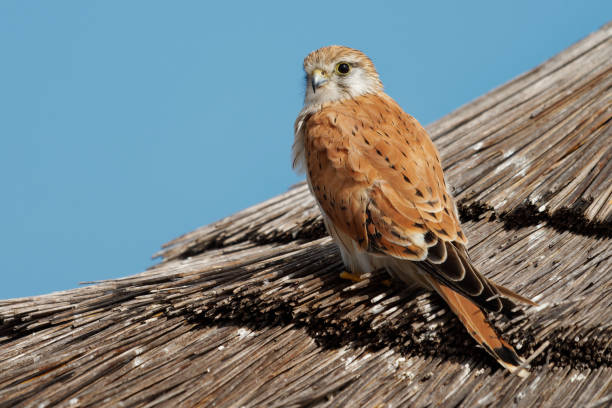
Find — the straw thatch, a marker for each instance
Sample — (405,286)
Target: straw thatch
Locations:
(250,311)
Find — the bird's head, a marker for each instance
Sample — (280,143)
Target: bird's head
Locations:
(334,73)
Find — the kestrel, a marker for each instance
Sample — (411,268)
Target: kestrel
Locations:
(378,181)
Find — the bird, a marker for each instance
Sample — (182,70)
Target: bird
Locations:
(377,179)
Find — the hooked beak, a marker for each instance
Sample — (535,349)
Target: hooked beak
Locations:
(317,79)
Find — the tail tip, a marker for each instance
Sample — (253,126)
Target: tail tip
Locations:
(508,358)
(517,370)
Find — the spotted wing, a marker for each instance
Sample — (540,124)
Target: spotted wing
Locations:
(378,178)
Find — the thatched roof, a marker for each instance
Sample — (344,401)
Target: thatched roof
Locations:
(250,311)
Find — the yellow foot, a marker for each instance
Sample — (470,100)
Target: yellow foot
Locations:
(350,276)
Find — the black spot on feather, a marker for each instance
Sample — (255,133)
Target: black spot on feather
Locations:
(409,251)
(442,231)
(430,237)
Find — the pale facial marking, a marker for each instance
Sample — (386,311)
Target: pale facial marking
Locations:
(326,81)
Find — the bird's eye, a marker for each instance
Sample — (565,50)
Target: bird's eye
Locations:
(343,68)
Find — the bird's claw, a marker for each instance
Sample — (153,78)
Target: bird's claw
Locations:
(350,276)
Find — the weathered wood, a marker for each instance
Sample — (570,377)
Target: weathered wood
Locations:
(250,311)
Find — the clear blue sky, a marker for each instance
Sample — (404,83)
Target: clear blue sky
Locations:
(124,124)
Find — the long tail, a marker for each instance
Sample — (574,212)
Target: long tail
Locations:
(475,321)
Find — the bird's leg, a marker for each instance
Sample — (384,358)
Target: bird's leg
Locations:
(354,277)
